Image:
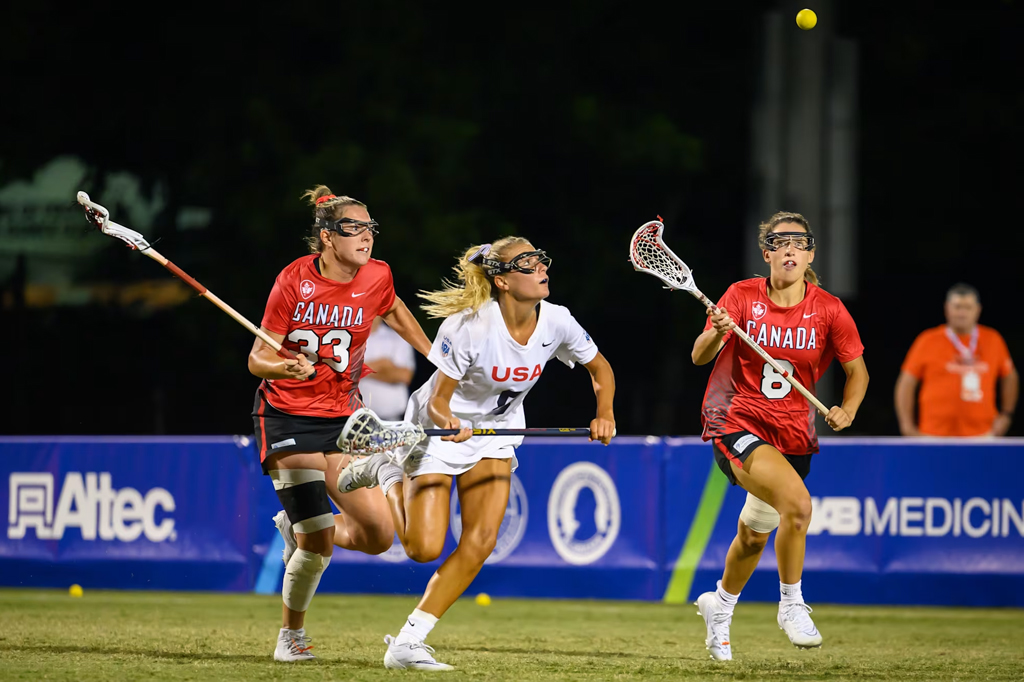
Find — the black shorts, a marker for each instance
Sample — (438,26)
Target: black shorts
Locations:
(278,431)
(736,447)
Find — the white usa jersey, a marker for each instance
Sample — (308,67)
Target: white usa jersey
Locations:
(495,372)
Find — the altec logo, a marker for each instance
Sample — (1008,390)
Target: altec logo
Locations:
(974,517)
(87,502)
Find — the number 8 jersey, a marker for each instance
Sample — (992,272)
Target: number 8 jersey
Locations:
(495,372)
(746,394)
(329,321)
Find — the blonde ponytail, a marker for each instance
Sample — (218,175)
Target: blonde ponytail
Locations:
(475,287)
(811,276)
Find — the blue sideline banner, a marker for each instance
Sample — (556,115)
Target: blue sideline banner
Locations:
(895,521)
(130,513)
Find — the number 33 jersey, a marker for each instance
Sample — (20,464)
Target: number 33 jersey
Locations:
(746,394)
(495,372)
(328,321)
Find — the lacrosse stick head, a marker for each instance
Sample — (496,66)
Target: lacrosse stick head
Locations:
(365,434)
(100,217)
(648,253)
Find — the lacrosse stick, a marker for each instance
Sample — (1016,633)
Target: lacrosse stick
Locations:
(100,217)
(648,253)
(366,433)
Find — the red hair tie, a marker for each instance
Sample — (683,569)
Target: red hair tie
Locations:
(326,198)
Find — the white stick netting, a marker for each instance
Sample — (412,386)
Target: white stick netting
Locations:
(648,253)
(100,217)
(365,434)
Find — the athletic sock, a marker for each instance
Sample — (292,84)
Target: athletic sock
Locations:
(725,599)
(791,594)
(387,475)
(416,628)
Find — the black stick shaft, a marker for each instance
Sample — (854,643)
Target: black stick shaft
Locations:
(583,431)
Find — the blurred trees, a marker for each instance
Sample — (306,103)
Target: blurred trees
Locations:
(569,127)
(454,132)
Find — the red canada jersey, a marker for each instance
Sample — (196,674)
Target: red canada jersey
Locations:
(328,321)
(746,394)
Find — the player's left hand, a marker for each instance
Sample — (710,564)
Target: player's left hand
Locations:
(464,434)
(838,419)
(602,430)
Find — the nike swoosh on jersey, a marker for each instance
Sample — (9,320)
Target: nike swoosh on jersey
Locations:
(354,295)
(808,315)
(545,345)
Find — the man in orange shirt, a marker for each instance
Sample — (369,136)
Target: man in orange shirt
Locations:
(957,365)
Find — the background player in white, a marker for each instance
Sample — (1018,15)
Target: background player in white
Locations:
(498,335)
(386,391)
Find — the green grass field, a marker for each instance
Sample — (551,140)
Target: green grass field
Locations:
(47,635)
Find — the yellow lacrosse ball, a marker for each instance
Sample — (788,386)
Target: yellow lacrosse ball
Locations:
(483,599)
(75,591)
(806,19)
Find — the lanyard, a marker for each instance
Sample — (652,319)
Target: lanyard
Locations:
(965,352)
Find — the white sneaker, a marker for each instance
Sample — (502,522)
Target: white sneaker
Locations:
(414,656)
(284,527)
(798,626)
(361,472)
(292,646)
(717,620)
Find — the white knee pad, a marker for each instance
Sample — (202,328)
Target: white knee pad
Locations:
(301,577)
(758,515)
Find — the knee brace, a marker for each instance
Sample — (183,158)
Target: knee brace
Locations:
(758,515)
(303,495)
(301,578)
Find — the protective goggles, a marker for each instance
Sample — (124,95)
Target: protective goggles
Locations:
(773,241)
(347,227)
(526,262)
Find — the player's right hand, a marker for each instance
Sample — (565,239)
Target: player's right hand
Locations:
(720,321)
(464,434)
(298,367)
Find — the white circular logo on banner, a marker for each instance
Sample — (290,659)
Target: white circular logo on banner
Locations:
(513,526)
(395,553)
(562,521)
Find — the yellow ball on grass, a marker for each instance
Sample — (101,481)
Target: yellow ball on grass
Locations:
(75,591)
(483,599)
(806,19)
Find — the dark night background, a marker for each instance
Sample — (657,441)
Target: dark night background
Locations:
(571,127)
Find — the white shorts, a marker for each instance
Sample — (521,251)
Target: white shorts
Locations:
(432,464)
